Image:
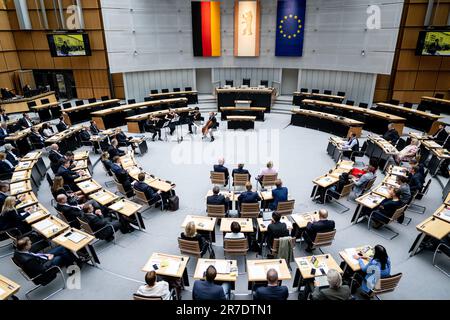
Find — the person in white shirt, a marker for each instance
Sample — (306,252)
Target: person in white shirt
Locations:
(269,169)
(154,288)
(47,132)
(235,232)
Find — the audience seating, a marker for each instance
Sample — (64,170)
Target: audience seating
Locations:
(188,89)
(303,90)
(240,180)
(315,91)
(154,91)
(131,101)
(439,96)
(216,211)
(218,178)
(269,180)
(250,210)
(386,285)
(236,247)
(285,208)
(229,82)
(328,92)
(246,82)
(407,105)
(336,196)
(79,103)
(363,105)
(350,102)
(264,83)
(92,100)
(87,228)
(323,239)
(341,93)
(104,98)
(165,90)
(395,102)
(397,214)
(176,90)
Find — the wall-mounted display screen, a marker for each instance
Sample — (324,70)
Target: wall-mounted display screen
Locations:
(434,43)
(69,44)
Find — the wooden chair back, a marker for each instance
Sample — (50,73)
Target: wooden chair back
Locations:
(240,179)
(217,178)
(86,227)
(324,239)
(387,284)
(143,298)
(269,180)
(141,196)
(276,244)
(216,211)
(398,213)
(189,247)
(235,247)
(285,208)
(250,210)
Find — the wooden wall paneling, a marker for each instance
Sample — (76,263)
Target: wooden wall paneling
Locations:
(27,59)
(430,63)
(82,78)
(443,81)
(23,40)
(3,65)
(92,19)
(410,37)
(84,93)
(44,60)
(408,60)
(4,22)
(6,80)
(98,60)
(405,80)
(96,40)
(100,92)
(416,14)
(39,40)
(7,41)
(99,79)
(79,63)
(12,60)
(62,63)
(426,80)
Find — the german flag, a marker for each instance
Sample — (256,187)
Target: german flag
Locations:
(206,28)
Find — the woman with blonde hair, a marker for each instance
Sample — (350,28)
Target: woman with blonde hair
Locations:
(11,218)
(190,234)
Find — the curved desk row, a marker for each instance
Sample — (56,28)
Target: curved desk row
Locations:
(374,121)
(82,113)
(300,96)
(435,105)
(136,123)
(191,96)
(336,125)
(21,105)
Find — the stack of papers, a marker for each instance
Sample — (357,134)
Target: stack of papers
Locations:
(44,224)
(260,271)
(76,237)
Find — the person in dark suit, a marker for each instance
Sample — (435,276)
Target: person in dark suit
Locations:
(34,264)
(441,135)
(3,116)
(273,291)
(85,136)
(11,156)
(4,132)
(221,168)
(248,196)
(98,223)
(276,229)
(279,194)
(123,140)
(70,212)
(207,289)
(55,157)
(61,126)
(194,116)
(391,135)
(336,291)
(93,127)
(6,167)
(240,170)
(25,122)
(122,176)
(36,139)
(387,208)
(420,168)
(218,199)
(313,228)
(151,195)
(416,180)
(114,150)
(69,175)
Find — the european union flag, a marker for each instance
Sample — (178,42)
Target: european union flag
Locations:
(290,28)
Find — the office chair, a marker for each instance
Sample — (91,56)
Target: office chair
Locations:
(153,91)
(188,89)
(176,89)
(350,103)
(407,105)
(315,91)
(67,105)
(395,102)
(328,92)
(439,96)
(165,90)
(104,98)
(92,100)
(265,83)
(246,82)
(45,101)
(363,105)
(303,90)
(131,101)
(146,99)
(79,103)
(341,93)
(31,104)
(229,83)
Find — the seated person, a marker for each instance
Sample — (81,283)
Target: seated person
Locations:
(207,289)
(190,233)
(276,229)
(151,125)
(361,183)
(368,274)
(409,152)
(151,195)
(240,170)
(194,116)
(69,175)
(107,163)
(61,126)
(441,135)
(351,145)
(4,133)
(221,168)
(114,150)
(34,264)
(11,218)
(55,157)
(416,180)
(93,127)
(218,199)
(25,122)
(269,169)
(387,208)
(122,176)
(235,231)
(315,227)
(405,191)
(391,135)
(273,291)
(336,291)
(154,288)
(3,116)
(36,139)
(335,189)
(97,222)
(85,136)
(11,156)
(420,169)
(6,167)
(46,131)
(248,196)
(70,212)
(122,139)
(279,194)
(58,187)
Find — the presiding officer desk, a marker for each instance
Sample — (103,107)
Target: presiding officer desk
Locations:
(263,97)
(333,124)
(115,117)
(21,105)
(82,113)
(136,123)
(300,96)
(374,121)
(243,111)
(416,119)
(191,96)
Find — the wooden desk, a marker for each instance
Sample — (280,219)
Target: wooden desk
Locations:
(241,122)
(25,165)
(7,288)
(202,223)
(435,105)
(416,119)
(104,197)
(245,223)
(82,113)
(263,97)
(433,227)
(399,171)
(369,200)
(168,265)
(48,111)
(325,181)
(37,213)
(443,213)
(302,219)
(222,266)
(160,185)
(35,155)
(382,190)
(300,96)
(81,155)
(89,186)
(65,240)
(21,105)
(29,199)
(304,266)
(128,161)
(347,255)
(264,225)
(190,96)
(21,176)
(242,111)
(326,122)
(257,270)
(115,117)
(20,187)
(128,208)
(50,227)
(136,123)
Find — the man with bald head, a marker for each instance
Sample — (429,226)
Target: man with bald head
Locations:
(71,213)
(273,291)
(315,227)
(221,168)
(55,157)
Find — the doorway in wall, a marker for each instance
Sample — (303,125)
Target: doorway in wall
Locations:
(203,79)
(289,81)
(60,81)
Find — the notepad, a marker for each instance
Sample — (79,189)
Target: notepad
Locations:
(104,198)
(76,237)
(41,225)
(260,271)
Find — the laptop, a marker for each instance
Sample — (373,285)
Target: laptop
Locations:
(267,215)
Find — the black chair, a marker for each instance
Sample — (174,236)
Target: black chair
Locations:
(153,91)
(360,153)
(350,103)
(105,98)
(395,102)
(131,101)
(188,89)
(92,100)
(407,105)
(315,91)
(31,104)
(66,105)
(439,95)
(401,144)
(79,103)
(165,90)
(303,90)
(176,89)
(246,82)
(264,83)
(45,101)
(229,83)
(341,93)
(328,92)
(363,105)
(146,99)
